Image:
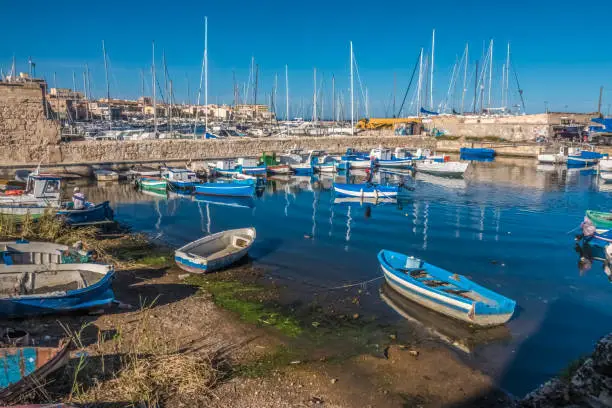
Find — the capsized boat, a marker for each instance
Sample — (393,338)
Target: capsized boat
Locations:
(215,251)
(23,252)
(600,219)
(33,290)
(366,190)
(444,292)
(230,189)
(447,168)
(25,368)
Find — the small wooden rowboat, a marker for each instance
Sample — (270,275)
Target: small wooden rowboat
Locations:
(600,219)
(34,290)
(25,368)
(444,292)
(215,251)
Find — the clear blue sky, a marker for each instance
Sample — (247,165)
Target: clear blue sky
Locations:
(562,50)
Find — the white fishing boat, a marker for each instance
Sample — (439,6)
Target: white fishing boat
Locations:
(606,177)
(42,192)
(215,251)
(554,158)
(447,168)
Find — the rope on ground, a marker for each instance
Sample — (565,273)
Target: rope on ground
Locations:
(356,284)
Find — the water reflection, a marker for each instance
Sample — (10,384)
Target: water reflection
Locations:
(443,328)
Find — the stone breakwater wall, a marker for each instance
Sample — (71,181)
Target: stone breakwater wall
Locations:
(25,132)
(180,149)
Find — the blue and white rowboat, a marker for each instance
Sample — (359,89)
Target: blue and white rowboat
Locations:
(366,190)
(215,251)
(254,171)
(33,290)
(226,189)
(444,292)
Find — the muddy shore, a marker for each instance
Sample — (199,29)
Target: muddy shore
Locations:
(238,339)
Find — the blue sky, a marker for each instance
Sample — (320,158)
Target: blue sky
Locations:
(561,50)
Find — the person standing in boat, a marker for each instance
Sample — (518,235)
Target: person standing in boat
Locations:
(78,199)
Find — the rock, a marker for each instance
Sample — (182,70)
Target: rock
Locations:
(356,316)
(334,380)
(589,386)
(393,337)
(296,362)
(316,400)
(183,276)
(414,353)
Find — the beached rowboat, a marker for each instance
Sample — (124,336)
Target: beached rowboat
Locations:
(25,368)
(444,292)
(32,290)
(215,251)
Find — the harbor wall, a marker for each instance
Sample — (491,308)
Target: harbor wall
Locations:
(512,128)
(25,132)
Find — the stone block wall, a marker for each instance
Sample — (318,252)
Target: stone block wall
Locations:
(25,133)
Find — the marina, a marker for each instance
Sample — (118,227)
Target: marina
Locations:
(472,226)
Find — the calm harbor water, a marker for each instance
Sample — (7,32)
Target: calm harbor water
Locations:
(505,226)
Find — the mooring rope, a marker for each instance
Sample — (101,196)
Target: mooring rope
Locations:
(364,283)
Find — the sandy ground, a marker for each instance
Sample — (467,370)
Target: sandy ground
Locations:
(426,375)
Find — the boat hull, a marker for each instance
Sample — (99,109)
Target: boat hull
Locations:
(97,213)
(605,165)
(97,295)
(226,189)
(578,161)
(477,152)
(441,307)
(451,169)
(153,185)
(600,219)
(398,164)
(302,170)
(198,264)
(552,158)
(279,169)
(365,191)
(255,171)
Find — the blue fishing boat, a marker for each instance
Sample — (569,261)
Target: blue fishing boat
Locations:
(215,251)
(477,152)
(444,292)
(253,170)
(302,169)
(366,190)
(91,214)
(25,369)
(583,158)
(230,189)
(33,290)
(180,179)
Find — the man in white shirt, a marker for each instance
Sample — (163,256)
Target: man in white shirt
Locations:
(78,199)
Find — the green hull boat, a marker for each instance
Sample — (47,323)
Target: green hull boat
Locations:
(600,219)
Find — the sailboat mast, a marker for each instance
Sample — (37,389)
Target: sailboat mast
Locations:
(352,96)
(333,98)
(142,91)
(464,79)
(431,78)
(490,70)
(154,93)
(170,100)
(286,93)
(108,103)
(314,99)
(506,85)
(420,83)
(206,74)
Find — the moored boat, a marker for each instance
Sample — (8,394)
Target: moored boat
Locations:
(215,251)
(42,192)
(23,252)
(230,189)
(477,152)
(90,214)
(155,184)
(600,219)
(606,177)
(447,168)
(106,175)
(605,164)
(25,369)
(444,292)
(180,179)
(366,190)
(32,290)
